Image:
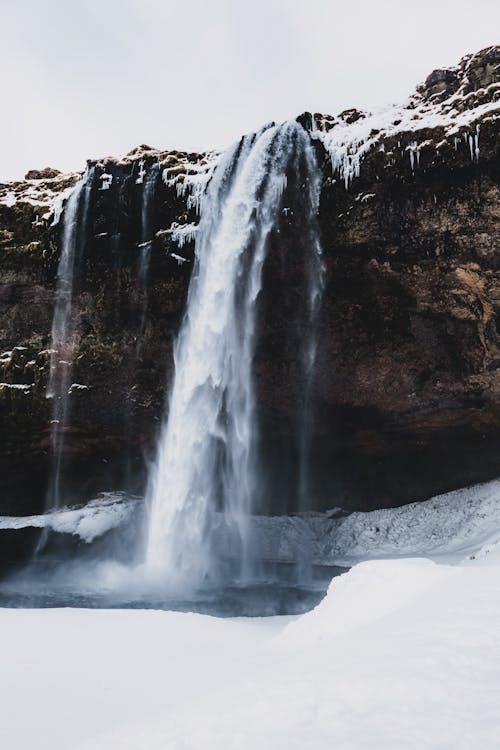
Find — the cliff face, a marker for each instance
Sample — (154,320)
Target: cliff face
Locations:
(122,353)
(406,398)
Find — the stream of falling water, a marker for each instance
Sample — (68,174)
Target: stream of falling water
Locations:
(315,282)
(74,221)
(207,459)
(147,229)
(148,192)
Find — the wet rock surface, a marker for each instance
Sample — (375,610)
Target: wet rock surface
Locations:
(406,398)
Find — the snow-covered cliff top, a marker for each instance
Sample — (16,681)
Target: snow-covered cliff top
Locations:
(448,108)
(446,112)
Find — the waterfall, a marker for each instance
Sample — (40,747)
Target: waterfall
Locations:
(64,328)
(315,281)
(148,192)
(207,454)
(147,229)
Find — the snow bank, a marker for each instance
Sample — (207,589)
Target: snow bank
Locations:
(448,528)
(88,522)
(348,143)
(367,592)
(401,654)
(48,194)
(426,120)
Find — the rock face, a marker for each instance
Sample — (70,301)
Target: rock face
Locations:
(407,389)
(42,174)
(124,329)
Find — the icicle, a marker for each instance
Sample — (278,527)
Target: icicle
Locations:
(471,147)
(183,233)
(412,149)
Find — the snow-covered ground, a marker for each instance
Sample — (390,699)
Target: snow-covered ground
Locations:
(402,653)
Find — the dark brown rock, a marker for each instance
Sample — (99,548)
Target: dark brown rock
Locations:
(42,174)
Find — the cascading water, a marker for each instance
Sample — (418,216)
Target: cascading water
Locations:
(147,180)
(315,270)
(207,456)
(148,192)
(147,228)
(74,221)
(314,284)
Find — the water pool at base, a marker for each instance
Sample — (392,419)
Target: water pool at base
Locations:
(263,598)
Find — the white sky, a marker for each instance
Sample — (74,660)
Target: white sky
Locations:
(88,78)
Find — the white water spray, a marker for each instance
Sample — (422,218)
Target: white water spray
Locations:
(206,458)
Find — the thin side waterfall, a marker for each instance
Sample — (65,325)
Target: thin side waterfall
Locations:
(315,282)
(207,465)
(74,221)
(148,192)
(147,228)
(147,179)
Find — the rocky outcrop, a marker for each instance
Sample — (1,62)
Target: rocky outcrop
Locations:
(42,174)
(407,391)
(123,352)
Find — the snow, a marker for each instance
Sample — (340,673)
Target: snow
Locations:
(182,234)
(190,179)
(401,654)
(348,143)
(180,260)
(46,193)
(9,199)
(15,386)
(370,591)
(142,171)
(106,180)
(77,387)
(88,522)
(447,528)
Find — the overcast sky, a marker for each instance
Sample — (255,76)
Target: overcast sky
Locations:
(88,78)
